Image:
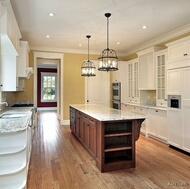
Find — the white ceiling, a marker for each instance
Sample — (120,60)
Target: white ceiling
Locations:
(74,19)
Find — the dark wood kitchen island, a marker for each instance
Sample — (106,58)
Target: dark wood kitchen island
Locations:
(109,135)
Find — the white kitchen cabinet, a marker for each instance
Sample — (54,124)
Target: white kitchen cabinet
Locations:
(116,74)
(23,69)
(8,65)
(133,80)
(123,80)
(15,149)
(178,119)
(175,127)
(179,53)
(179,49)
(161,95)
(174,82)
(186,108)
(9,26)
(147,72)
(139,110)
(157,124)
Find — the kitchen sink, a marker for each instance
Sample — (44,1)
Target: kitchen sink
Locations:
(12,115)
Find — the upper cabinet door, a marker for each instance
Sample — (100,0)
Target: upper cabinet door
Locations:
(174,82)
(9,26)
(133,80)
(147,72)
(179,53)
(161,59)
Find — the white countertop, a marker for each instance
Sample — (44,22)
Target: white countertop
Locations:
(8,125)
(103,113)
(145,106)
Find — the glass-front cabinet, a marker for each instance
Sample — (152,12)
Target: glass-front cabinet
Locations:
(133,92)
(161,79)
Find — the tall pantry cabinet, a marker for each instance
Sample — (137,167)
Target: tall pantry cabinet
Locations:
(178,74)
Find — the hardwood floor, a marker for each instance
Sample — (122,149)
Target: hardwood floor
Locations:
(58,161)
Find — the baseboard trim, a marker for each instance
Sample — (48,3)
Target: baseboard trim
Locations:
(65,122)
(46,108)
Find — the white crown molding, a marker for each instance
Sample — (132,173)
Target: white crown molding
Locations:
(63,50)
(171,35)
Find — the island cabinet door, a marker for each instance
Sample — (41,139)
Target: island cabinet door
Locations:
(92,136)
(72,119)
(99,144)
(86,127)
(81,127)
(78,123)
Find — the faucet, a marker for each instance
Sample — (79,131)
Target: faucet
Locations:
(1,103)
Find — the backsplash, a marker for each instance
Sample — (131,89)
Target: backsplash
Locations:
(151,97)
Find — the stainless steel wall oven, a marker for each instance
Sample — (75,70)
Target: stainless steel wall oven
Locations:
(116,92)
(116,89)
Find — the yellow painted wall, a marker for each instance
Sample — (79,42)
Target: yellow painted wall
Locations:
(74,83)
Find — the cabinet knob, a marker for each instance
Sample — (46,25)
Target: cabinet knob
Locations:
(1,85)
(156,110)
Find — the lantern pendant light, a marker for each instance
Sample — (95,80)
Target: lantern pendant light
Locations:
(108,60)
(88,68)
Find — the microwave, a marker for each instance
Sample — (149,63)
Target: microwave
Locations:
(174,101)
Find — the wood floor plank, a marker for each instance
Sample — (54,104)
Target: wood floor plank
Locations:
(58,161)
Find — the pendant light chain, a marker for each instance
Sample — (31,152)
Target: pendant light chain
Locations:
(88,45)
(107,32)
(108,60)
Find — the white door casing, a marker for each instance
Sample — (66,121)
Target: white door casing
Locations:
(60,68)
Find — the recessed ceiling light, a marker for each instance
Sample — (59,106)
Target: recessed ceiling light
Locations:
(118,43)
(51,14)
(80,45)
(144,27)
(47,36)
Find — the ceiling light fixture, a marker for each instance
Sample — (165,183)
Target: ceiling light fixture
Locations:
(47,36)
(51,14)
(108,60)
(88,68)
(144,27)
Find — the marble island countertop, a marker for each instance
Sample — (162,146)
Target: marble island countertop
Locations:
(15,124)
(103,113)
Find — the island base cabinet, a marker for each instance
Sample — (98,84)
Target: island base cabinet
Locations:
(118,146)
(110,143)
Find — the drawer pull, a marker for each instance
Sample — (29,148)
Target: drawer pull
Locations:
(185,54)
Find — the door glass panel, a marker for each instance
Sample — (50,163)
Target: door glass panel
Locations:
(49,87)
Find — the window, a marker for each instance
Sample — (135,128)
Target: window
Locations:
(49,87)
